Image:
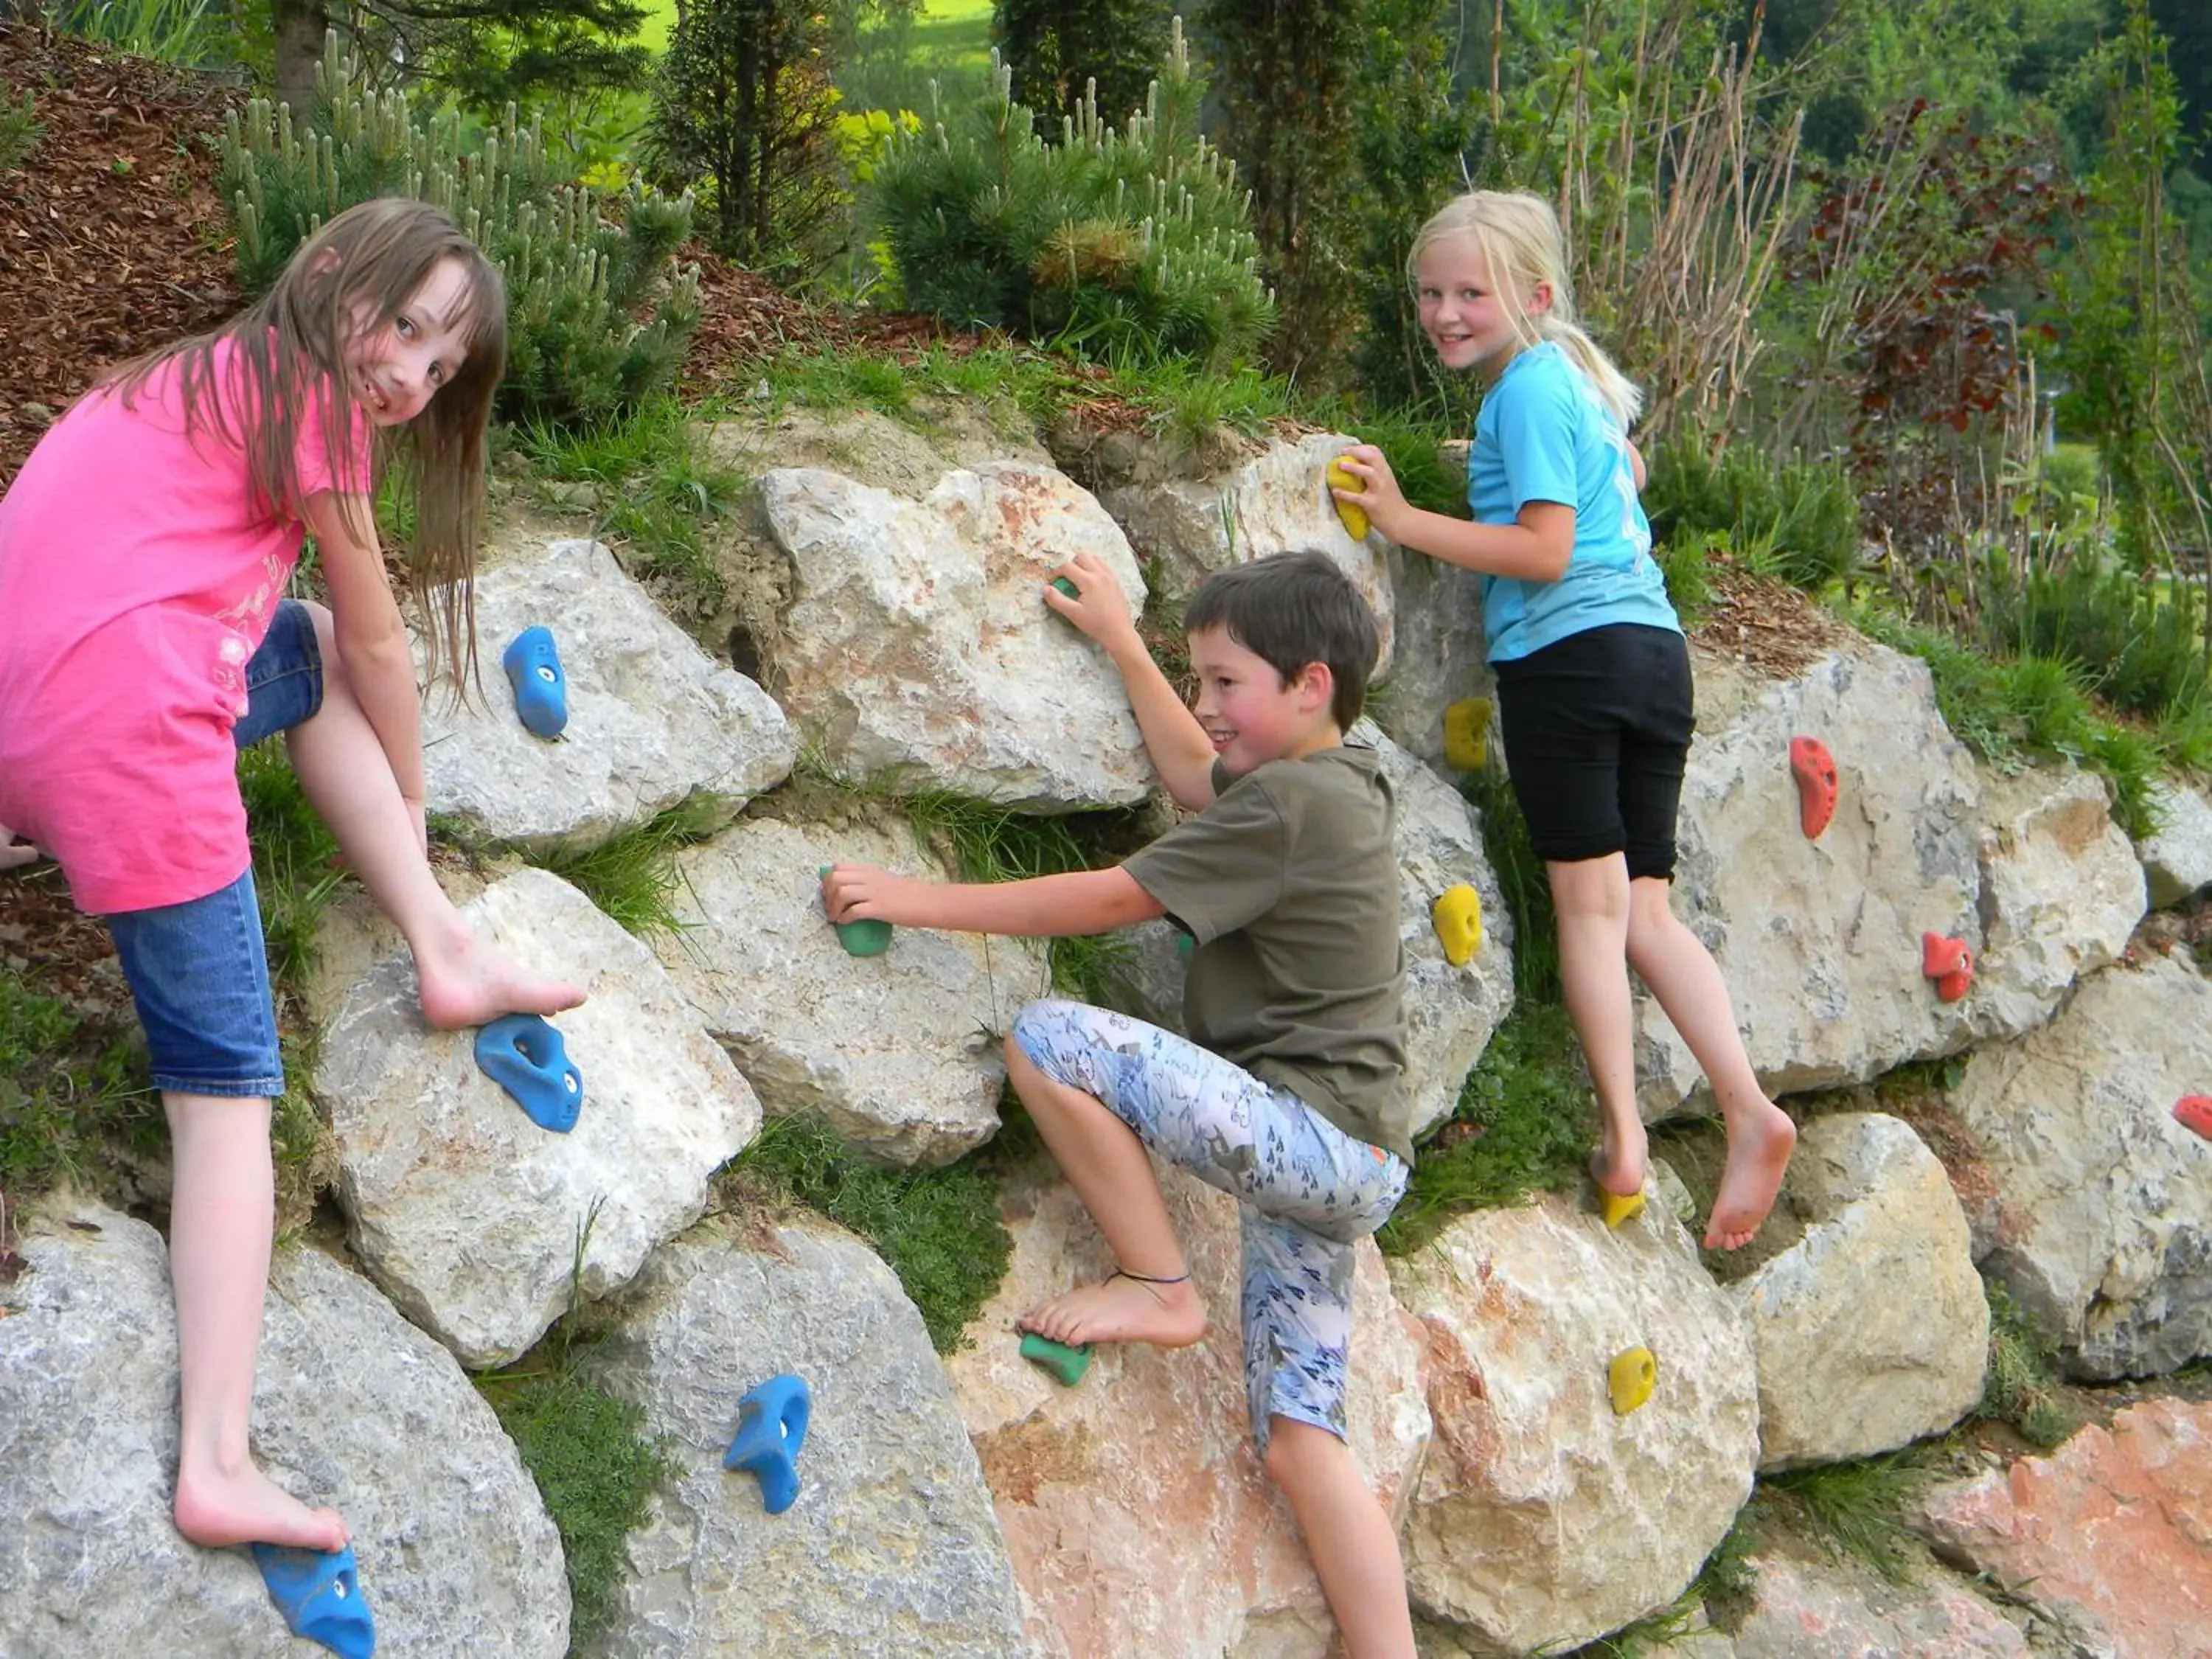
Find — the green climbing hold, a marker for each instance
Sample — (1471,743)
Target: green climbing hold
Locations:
(1065,1362)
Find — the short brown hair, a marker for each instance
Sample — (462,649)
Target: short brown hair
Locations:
(1291,609)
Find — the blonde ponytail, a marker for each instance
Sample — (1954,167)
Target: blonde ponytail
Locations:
(1519,236)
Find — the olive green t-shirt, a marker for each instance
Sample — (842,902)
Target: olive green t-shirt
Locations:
(1288,883)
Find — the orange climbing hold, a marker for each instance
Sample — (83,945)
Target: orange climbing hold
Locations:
(2194,1112)
(1948,963)
(1815,768)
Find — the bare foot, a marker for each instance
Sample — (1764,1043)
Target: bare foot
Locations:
(1121,1311)
(249,1508)
(1618,1165)
(469,983)
(1758,1152)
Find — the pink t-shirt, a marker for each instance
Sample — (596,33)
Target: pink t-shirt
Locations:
(138,575)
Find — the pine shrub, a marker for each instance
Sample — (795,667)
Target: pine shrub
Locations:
(598,315)
(1132,243)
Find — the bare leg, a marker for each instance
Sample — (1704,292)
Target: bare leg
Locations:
(1589,898)
(1354,1551)
(1106,1163)
(1682,974)
(222,1218)
(341,766)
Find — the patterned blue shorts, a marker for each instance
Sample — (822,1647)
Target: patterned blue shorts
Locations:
(1307,1191)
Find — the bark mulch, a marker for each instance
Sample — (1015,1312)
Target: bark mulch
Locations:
(1764,624)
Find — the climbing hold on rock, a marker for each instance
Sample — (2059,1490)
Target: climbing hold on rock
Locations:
(1815,768)
(1065,1362)
(771,1428)
(2194,1112)
(1067,588)
(1467,734)
(318,1593)
(1617,1208)
(1184,943)
(526,1057)
(865,937)
(1630,1378)
(1457,917)
(1355,518)
(1949,964)
(541,691)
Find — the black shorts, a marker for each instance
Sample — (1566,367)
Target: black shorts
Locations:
(1597,732)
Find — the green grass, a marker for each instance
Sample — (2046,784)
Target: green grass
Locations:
(19,132)
(73,1094)
(1856,1510)
(938,1230)
(635,877)
(189,34)
(2019,1387)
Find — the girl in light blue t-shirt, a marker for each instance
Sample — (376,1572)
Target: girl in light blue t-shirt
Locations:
(1593,672)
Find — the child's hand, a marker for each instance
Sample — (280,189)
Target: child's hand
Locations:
(14,852)
(1378,496)
(860,892)
(1099,607)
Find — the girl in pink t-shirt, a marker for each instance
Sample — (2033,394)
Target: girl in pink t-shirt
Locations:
(144,548)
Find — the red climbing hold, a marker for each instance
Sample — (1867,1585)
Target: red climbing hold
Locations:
(1815,768)
(2194,1112)
(1948,963)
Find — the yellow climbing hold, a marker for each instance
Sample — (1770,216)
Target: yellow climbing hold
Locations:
(1630,1378)
(1467,734)
(1619,1209)
(1457,917)
(1355,518)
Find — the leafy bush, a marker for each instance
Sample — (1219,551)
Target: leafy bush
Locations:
(598,316)
(1799,520)
(1133,242)
(2139,645)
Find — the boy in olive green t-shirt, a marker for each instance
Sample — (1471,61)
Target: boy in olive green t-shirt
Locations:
(1289,1094)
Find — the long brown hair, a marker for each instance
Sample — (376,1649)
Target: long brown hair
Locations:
(287,352)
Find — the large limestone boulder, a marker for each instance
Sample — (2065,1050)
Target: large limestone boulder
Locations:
(1820,941)
(1450,1012)
(1270,499)
(2110,1531)
(919,653)
(890,1547)
(652,718)
(2177,856)
(1809,1606)
(1542,1518)
(2061,892)
(1135,1506)
(353,1408)
(2105,1230)
(1871,1330)
(480,1225)
(1438,655)
(895,1052)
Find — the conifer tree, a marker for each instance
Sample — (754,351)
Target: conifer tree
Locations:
(1056,47)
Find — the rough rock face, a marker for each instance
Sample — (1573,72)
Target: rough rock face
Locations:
(920,652)
(1602,1517)
(1820,941)
(2110,1530)
(1872,1330)
(894,1051)
(477,1222)
(1133,1504)
(353,1408)
(890,1547)
(1807,1606)
(2177,858)
(1450,1012)
(1273,501)
(2061,891)
(1438,654)
(652,718)
(2105,1230)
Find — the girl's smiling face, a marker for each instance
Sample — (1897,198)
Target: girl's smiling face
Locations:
(1470,317)
(397,368)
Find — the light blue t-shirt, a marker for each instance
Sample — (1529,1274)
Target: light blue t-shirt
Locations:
(1544,436)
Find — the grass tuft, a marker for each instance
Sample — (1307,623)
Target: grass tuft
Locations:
(635,877)
(71,1091)
(938,1230)
(2023,1372)
(19,132)
(1858,1509)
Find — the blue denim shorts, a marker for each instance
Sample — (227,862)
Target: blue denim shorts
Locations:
(1306,1190)
(199,971)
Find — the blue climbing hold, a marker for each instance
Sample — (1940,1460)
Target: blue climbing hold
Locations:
(526,1056)
(319,1595)
(771,1428)
(541,690)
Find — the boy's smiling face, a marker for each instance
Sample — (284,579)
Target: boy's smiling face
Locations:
(1249,714)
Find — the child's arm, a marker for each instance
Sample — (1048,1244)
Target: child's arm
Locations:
(372,638)
(1182,752)
(1044,907)
(1535,548)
